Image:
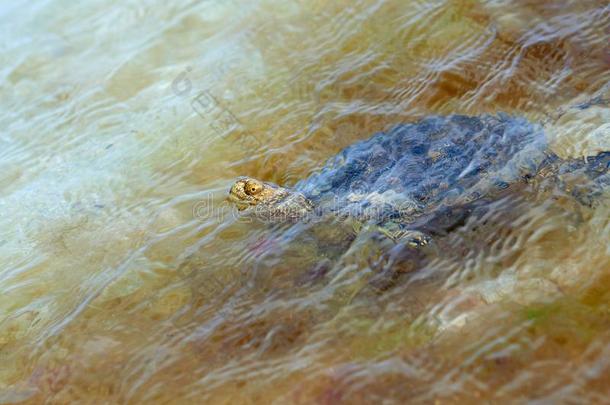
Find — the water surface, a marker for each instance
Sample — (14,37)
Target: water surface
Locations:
(125,276)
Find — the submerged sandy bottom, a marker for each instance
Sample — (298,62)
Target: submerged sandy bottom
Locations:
(125,276)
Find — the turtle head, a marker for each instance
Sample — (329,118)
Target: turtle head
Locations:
(269,198)
(247,191)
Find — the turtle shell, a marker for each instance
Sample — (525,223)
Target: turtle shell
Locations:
(438,161)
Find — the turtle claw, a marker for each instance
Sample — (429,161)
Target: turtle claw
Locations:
(413,238)
(409,237)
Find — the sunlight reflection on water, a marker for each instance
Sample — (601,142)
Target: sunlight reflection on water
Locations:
(127,276)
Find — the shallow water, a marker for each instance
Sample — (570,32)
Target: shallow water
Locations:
(126,276)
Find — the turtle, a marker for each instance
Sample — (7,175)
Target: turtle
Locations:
(418,180)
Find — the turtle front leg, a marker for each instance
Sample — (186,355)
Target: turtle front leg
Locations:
(406,251)
(387,253)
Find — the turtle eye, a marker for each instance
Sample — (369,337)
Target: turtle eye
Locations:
(252,187)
